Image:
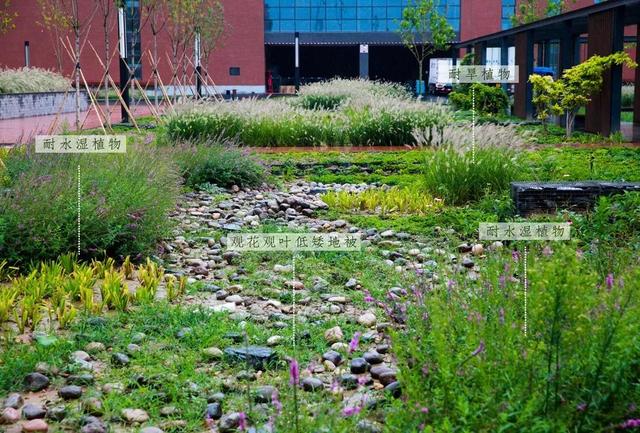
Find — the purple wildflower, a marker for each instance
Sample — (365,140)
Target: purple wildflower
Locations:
(242,421)
(609,281)
(581,407)
(515,254)
(502,281)
(294,373)
(275,399)
(353,344)
(351,410)
(547,251)
(630,423)
(501,315)
(479,349)
(368,297)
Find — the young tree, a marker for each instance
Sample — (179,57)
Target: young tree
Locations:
(529,11)
(546,97)
(56,19)
(106,8)
(211,25)
(577,86)
(181,28)
(155,13)
(6,17)
(424,31)
(79,29)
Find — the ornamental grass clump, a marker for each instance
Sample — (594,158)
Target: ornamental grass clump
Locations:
(324,115)
(32,80)
(460,176)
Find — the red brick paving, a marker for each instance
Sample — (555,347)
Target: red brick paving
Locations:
(23,130)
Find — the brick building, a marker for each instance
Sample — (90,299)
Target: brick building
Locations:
(259,40)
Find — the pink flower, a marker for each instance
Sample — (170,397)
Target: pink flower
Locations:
(547,251)
(351,410)
(294,373)
(353,344)
(515,254)
(367,297)
(242,421)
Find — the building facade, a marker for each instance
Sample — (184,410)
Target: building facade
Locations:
(347,38)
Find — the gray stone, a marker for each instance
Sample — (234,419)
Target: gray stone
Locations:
(258,357)
(33,411)
(359,365)
(263,394)
(120,359)
(134,416)
(70,392)
(349,381)
(229,422)
(214,411)
(35,382)
(312,384)
(13,400)
(373,357)
(57,413)
(333,357)
(81,379)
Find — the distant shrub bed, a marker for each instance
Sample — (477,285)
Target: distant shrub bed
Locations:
(488,99)
(218,165)
(367,114)
(31,80)
(124,204)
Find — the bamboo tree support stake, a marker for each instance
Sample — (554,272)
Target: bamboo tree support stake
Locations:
(162,87)
(94,104)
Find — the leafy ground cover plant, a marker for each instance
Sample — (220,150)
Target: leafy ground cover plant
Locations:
(28,80)
(124,201)
(383,201)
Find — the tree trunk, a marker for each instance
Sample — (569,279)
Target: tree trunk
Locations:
(569,124)
(420,79)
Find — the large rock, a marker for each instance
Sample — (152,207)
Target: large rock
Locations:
(258,357)
(9,416)
(333,335)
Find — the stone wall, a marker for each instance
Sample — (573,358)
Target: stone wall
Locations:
(543,197)
(16,105)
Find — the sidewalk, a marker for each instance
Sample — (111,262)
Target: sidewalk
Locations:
(25,129)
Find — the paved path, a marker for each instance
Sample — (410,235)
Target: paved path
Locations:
(23,130)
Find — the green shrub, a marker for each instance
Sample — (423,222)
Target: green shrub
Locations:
(458,178)
(218,165)
(466,363)
(28,80)
(488,99)
(125,199)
